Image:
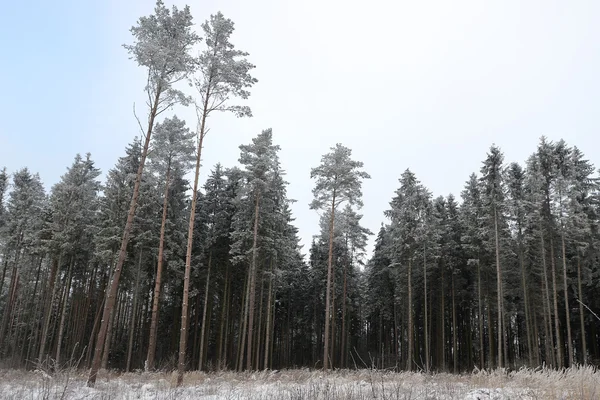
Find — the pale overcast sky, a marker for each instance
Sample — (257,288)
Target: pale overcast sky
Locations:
(425,85)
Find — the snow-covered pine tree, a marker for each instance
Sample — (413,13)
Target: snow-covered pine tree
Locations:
(223,73)
(338,181)
(172,151)
(162,45)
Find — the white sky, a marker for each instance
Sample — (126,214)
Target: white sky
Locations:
(425,85)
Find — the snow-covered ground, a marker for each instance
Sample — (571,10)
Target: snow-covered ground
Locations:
(575,383)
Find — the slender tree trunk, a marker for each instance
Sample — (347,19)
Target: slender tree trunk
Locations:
(149,365)
(133,313)
(63,315)
(4,268)
(258,335)
(203,329)
(328,289)
(581,316)
(252,280)
(499,284)
(559,353)
(343,333)
(454,329)
(268,330)
(409,353)
(221,358)
(12,296)
(188,256)
(567,311)
(426,330)
(112,292)
(242,345)
(48,308)
(550,352)
(109,335)
(480,319)
(530,348)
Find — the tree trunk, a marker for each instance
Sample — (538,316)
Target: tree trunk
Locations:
(203,329)
(343,332)
(530,348)
(426,330)
(149,365)
(112,292)
(133,314)
(548,321)
(63,314)
(252,280)
(48,308)
(328,289)
(221,358)
(268,329)
(409,353)
(188,256)
(559,353)
(109,335)
(581,316)
(454,329)
(480,319)
(499,284)
(258,335)
(244,323)
(12,295)
(567,311)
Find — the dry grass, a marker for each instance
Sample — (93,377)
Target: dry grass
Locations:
(573,383)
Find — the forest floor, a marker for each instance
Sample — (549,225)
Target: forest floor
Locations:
(573,383)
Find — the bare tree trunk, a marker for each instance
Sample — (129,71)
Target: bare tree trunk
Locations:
(409,353)
(252,280)
(149,365)
(188,256)
(547,321)
(581,316)
(220,360)
(244,323)
(559,353)
(48,308)
(133,313)
(203,329)
(426,330)
(454,328)
(258,335)
(268,330)
(480,318)
(567,312)
(112,292)
(12,295)
(499,284)
(63,314)
(530,348)
(106,350)
(343,333)
(328,289)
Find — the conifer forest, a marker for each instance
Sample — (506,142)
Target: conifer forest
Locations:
(151,268)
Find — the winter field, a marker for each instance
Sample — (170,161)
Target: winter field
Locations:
(574,383)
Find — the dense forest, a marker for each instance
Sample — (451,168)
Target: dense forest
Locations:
(151,270)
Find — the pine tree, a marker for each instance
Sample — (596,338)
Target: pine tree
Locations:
(493,196)
(338,180)
(163,42)
(173,147)
(408,215)
(223,73)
